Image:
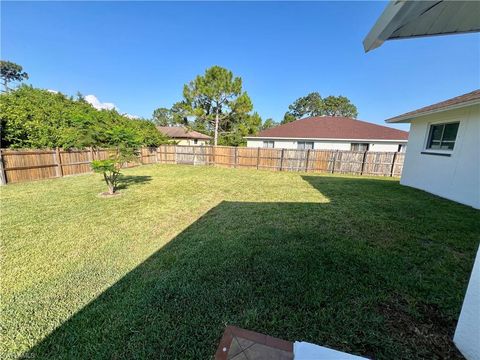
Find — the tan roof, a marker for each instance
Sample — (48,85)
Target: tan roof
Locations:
(329,127)
(180,132)
(453,103)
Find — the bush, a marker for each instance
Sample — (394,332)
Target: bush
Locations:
(36,118)
(111,172)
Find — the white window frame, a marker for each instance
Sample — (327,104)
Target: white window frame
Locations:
(428,150)
(305,145)
(266,142)
(359,143)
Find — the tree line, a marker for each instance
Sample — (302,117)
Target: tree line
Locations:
(214,103)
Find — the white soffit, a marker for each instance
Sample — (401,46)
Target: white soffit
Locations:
(406,18)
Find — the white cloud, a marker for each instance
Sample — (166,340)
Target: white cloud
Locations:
(130,116)
(93,100)
(52,91)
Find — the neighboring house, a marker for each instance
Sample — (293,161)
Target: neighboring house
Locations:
(183,136)
(331,133)
(443,155)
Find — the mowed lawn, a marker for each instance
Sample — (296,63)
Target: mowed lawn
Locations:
(362,265)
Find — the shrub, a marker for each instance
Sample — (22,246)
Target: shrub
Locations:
(111,172)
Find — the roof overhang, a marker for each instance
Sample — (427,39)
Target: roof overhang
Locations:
(405,19)
(408,118)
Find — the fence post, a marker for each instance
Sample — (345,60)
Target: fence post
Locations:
(235,158)
(393,164)
(3,177)
(306,161)
(175,153)
(193,148)
(334,160)
(281,159)
(363,162)
(58,160)
(258,156)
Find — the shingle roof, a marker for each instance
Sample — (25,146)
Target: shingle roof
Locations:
(462,100)
(329,127)
(179,132)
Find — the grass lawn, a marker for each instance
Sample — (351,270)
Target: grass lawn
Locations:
(362,265)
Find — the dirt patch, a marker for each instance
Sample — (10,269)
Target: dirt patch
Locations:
(427,332)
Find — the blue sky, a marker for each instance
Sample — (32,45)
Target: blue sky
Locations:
(138,55)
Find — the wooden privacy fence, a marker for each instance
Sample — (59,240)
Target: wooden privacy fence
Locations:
(25,165)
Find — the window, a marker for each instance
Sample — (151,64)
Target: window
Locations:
(359,146)
(269,144)
(195,142)
(402,148)
(304,145)
(442,136)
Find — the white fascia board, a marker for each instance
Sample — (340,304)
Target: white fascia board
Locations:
(384,27)
(319,139)
(408,118)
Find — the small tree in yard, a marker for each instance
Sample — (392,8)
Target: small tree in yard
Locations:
(110,168)
(111,172)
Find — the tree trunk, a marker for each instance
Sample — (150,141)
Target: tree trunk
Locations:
(215,137)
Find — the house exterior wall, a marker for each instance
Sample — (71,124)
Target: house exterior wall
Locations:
(467,333)
(191,142)
(326,144)
(455,177)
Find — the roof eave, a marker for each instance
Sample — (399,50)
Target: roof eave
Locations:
(384,27)
(407,118)
(421,17)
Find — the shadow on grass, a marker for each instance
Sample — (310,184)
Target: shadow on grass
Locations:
(327,273)
(127,180)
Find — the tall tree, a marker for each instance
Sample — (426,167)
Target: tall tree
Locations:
(339,106)
(11,72)
(288,117)
(162,117)
(314,105)
(269,123)
(217,99)
(310,105)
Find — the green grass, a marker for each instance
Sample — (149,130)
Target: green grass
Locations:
(363,265)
